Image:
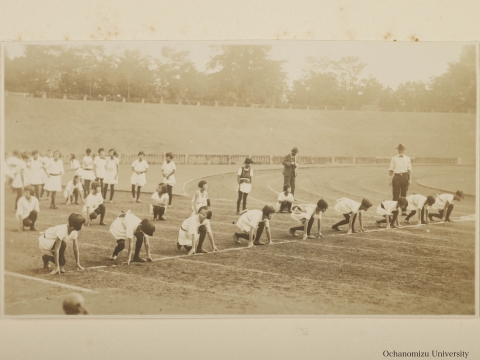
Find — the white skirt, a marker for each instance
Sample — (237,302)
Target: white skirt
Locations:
(110,178)
(138,179)
(44,177)
(78,172)
(381,211)
(17,182)
(45,244)
(243,223)
(183,238)
(245,187)
(36,177)
(54,183)
(88,175)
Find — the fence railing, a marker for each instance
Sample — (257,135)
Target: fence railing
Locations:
(207,159)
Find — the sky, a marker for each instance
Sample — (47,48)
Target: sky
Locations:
(392,63)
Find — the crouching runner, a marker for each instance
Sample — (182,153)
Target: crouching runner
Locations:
(127,226)
(54,243)
(194,229)
(390,209)
(251,223)
(306,215)
(350,209)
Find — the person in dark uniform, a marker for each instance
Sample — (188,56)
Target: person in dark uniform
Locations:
(400,173)
(290,169)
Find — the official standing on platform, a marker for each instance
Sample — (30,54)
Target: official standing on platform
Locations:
(400,169)
(290,169)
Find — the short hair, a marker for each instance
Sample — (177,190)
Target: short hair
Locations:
(248,161)
(286,186)
(169,154)
(267,210)
(141,153)
(76,221)
(94,185)
(34,152)
(460,194)
(322,204)
(88,151)
(208,210)
(25,155)
(114,152)
(76,177)
(430,200)
(402,202)
(30,189)
(59,153)
(366,203)
(72,156)
(164,189)
(148,227)
(201,183)
(101,149)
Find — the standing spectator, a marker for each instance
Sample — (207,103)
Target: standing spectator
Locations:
(244,179)
(290,169)
(399,172)
(168,171)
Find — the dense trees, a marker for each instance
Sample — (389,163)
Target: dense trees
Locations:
(240,75)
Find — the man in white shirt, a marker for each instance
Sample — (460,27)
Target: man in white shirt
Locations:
(127,226)
(194,228)
(420,203)
(27,209)
(94,205)
(389,209)
(444,205)
(285,200)
(400,173)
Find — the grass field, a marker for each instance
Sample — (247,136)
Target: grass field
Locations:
(72,126)
(400,271)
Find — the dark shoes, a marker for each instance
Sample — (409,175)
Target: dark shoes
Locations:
(257,243)
(336,228)
(138,259)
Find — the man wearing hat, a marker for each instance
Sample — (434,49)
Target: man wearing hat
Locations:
(400,169)
(290,169)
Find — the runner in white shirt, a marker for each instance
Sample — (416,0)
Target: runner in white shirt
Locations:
(420,203)
(389,210)
(36,173)
(99,167)
(27,209)
(127,226)
(53,242)
(306,215)
(94,205)
(252,223)
(168,171)
(196,227)
(111,176)
(200,199)
(350,209)
(159,202)
(88,175)
(244,179)
(444,205)
(55,172)
(138,178)
(285,199)
(73,189)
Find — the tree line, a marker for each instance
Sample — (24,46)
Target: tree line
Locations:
(240,75)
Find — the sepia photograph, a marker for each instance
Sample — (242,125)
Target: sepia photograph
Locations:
(226,178)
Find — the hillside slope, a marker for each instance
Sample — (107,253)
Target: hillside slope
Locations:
(72,126)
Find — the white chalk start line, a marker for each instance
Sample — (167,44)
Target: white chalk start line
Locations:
(66,286)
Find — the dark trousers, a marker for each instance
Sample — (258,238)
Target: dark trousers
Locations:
(202,230)
(30,220)
(399,186)
(242,196)
(440,214)
(347,221)
(290,180)
(86,187)
(138,244)
(105,190)
(393,216)
(286,205)
(301,228)
(37,190)
(257,236)
(99,211)
(158,211)
(170,195)
(61,254)
(19,192)
(413,212)
(138,192)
